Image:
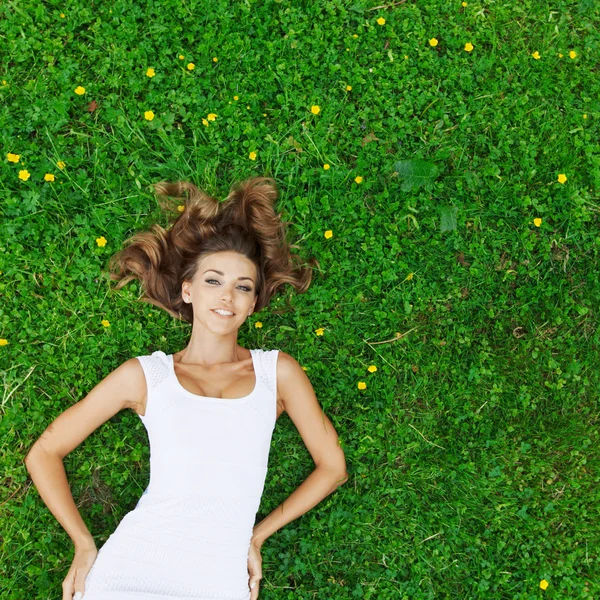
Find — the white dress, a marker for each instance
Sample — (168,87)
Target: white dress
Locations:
(189,534)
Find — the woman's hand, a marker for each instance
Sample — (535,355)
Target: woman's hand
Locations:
(254,569)
(82,564)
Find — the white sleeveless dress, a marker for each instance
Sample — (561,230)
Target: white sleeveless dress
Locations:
(189,534)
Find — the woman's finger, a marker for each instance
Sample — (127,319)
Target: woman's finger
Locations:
(68,585)
(254,585)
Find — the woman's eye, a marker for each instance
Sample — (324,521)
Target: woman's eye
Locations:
(242,286)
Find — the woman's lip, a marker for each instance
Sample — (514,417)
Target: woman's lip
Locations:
(224,316)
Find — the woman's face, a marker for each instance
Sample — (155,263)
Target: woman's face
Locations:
(224,280)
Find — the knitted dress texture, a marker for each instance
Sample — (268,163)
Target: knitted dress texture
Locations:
(189,534)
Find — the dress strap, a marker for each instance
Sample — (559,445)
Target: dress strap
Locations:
(155,368)
(267,368)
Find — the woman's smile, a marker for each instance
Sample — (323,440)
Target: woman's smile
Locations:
(222,316)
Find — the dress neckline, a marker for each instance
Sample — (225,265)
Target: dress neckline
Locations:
(212,398)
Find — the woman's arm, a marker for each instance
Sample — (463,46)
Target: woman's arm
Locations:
(122,388)
(321,440)
(48,474)
(317,486)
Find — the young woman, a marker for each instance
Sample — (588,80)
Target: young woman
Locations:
(209,410)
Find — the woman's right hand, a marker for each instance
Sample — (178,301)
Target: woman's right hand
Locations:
(74,582)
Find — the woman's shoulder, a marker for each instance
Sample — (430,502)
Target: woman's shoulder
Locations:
(268,350)
(269,354)
(155,365)
(157,354)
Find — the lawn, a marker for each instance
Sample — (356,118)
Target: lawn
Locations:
(440,159)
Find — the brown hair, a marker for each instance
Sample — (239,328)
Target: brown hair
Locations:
(246,222)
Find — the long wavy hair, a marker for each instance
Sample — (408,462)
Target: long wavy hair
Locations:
(246,222)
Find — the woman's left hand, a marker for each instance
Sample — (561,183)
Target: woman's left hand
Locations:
(254,569)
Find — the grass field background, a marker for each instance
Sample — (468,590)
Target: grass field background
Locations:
(472,450)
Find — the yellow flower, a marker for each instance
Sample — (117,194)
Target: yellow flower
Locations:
(406,57)
(560,55)
(326,167)
(433,42)
(468,46)
(181,207)
(258,324)
(191,66)
(354,35)
(205,122)
(105,323)
(211,116)
(536,55)
(572,54)
(543,584)
(60,164)
(49,177)
(62,15)
(80,90)
(537,221)
(3,342)
(329,233)
(362,385)
(562,178)
(381,21)
(315,110)
(236,97)
(4,82)
(358,179)
(463,4)
(585,116)
(215,59)
(150,72)
(252,156)
(148,115)
(24,175)
(181,57)
(348,88)
(372,369)
(101,241)
(13,157)
(320,331)
(409,277)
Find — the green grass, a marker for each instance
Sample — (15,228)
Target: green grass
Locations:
(473,451)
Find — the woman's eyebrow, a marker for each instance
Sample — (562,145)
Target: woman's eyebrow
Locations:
(221,273)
